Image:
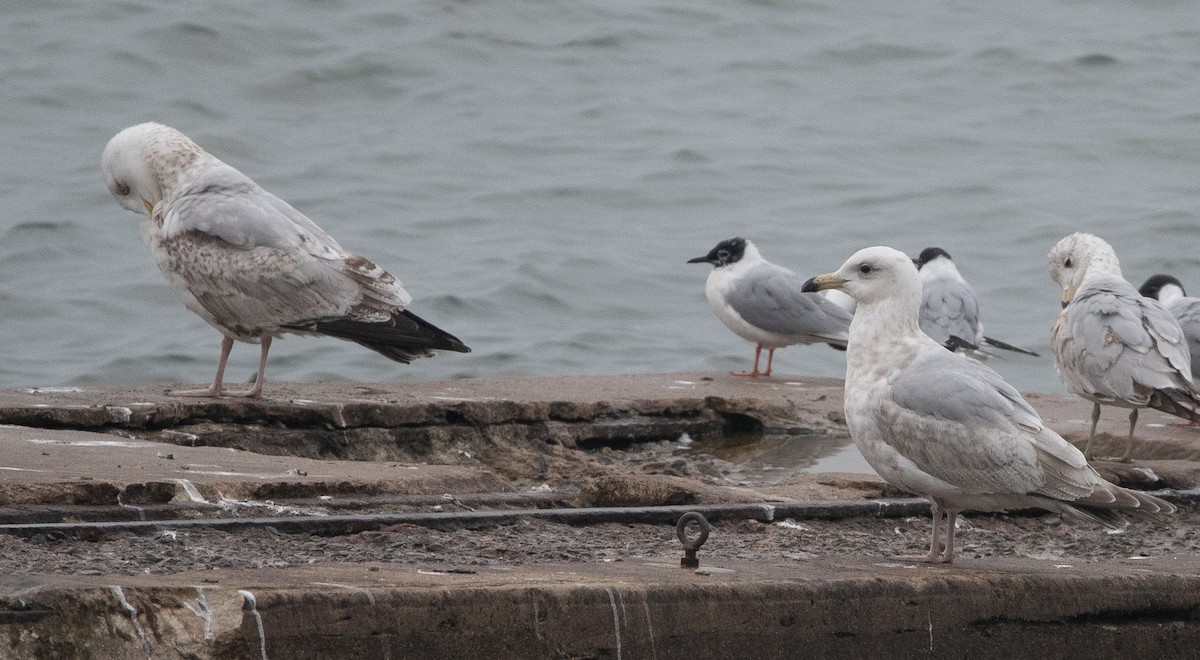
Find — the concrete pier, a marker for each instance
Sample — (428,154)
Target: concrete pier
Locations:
(69,455)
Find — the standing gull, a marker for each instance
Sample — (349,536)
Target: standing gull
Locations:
(1186,309)
(1112,345)
(248,263)
(944,426)
(949,308)
(763,303)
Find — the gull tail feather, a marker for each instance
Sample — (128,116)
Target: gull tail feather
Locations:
(403,337)
(1126,503)
(1177,401)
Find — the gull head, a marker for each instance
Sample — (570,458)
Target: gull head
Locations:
(143,164)
(873,275)
(1079,257)
(728,252)
(1162,288)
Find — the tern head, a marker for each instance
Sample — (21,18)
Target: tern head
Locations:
(142,164)
(726,252)
(872,275)
(1076,258)
(929,254)
(1162,287)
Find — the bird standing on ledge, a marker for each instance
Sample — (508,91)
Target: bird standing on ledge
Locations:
(947,427)
(763,303)
(248,263)
(1112,345)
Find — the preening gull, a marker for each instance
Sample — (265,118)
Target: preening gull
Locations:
(947,427)
(949,308)
(248,263)
(1168,290)
(1112,345)
(763,303)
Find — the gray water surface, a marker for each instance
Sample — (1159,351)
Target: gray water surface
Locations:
(538,173)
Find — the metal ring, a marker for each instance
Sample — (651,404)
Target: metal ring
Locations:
(681,530)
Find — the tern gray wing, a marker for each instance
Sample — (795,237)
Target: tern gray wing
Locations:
(770,297)
(950,309)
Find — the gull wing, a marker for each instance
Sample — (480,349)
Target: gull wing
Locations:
(254,263)
(1111,342)
(1187,311)
(959,421)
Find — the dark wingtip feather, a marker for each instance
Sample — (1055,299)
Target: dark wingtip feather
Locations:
(404,337)
(1178,402)
(955,342)
(1008,347)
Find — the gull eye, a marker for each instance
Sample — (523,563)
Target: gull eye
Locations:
(723,255)
(122,189)
(865,269)
(1067,263)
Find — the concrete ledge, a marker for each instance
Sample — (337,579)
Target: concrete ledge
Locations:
(70,454)
(851,608)
(369,422)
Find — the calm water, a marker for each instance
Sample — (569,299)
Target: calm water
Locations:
(538,172)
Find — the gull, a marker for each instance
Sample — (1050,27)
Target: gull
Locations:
(1186,309)
(1112,345)
(763,303)
(949,308)
(944,426)
(248,263)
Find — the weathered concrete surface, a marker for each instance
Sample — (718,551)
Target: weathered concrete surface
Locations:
(451,437)
(849,608)
(369,422)
(321,419)
(507,426)
(497,435)
(75,467)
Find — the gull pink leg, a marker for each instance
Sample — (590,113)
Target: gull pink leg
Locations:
(1127,457)
(256,391)
(936,554)
(1087,449)
(755,372)
(215,389)
(948,553)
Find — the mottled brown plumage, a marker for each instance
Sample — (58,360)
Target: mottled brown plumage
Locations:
(248,263)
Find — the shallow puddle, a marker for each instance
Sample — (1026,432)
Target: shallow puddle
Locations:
(772,458)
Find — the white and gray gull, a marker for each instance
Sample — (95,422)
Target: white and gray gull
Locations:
(1168,290)
(949,307)
(944,426)
(763,303)
(1112,345)
(248,263)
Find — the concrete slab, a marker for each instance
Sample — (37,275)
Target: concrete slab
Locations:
(831,608)
(505,426)
(550,407)
(46,466)
(95,445)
